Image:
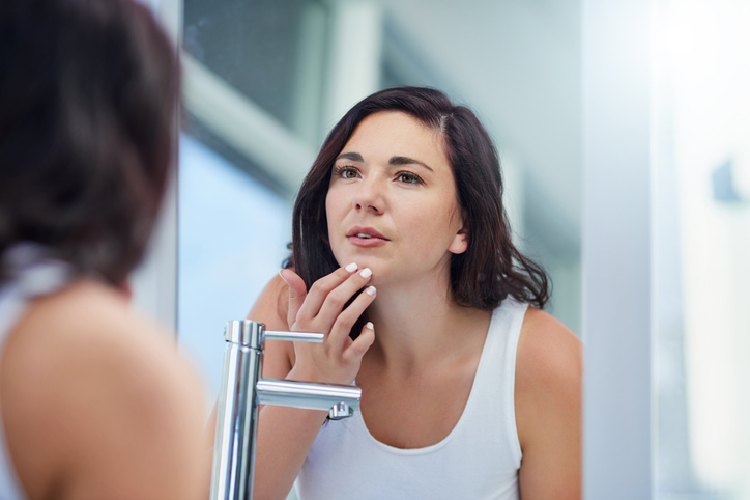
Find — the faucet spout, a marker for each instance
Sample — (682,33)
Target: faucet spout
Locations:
(242,391)
(309,396)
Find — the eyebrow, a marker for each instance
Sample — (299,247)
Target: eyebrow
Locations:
(396,160)
(351,156)
(403,160)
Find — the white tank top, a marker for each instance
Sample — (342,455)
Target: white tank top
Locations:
(32,273)
(479,459)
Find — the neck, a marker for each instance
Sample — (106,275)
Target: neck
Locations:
(417,325)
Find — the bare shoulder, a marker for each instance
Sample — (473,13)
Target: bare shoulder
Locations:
(272,305)
(270,308)
(548,373)
(548,352)
(106,401)
(548,408)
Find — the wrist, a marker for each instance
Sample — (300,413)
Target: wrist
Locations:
(303,374)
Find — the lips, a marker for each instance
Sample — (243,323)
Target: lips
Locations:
(365,233)
(365,236)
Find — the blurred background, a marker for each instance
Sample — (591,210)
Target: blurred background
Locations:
(266,79)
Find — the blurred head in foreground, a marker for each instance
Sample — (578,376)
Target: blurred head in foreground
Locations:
(87,98)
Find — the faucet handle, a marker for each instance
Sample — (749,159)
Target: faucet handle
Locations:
(252,334)
(293,336)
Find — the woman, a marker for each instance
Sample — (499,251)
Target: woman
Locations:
(470,390)
(94,401)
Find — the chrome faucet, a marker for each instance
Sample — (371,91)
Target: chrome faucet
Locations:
(242,391)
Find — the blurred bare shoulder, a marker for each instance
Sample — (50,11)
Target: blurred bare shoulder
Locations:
(108,409)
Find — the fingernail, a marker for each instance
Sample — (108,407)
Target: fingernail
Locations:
(370,326)
(282,276)
(370,290)
(366,273)
(351,267)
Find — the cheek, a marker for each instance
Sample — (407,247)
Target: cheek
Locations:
(432,228)
(333,200)
(333,215)
(329,217)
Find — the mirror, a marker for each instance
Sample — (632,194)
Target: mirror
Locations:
(266,80)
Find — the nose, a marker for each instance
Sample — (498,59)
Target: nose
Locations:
(370,196)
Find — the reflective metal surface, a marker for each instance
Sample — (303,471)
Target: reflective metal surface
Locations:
(294,336)
(341,410)
(242,391)
(308,396)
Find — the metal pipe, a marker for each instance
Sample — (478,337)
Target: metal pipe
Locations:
(234,443)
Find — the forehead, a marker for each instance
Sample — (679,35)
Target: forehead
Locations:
(393,133)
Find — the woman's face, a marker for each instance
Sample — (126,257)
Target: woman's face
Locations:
(392,204)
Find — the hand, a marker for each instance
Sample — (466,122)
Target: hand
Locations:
(338,358)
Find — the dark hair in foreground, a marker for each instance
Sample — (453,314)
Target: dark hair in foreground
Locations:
(88,95)
(491,268)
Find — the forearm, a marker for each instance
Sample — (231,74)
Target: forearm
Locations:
(285,436)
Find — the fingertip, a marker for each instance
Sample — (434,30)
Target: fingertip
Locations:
(281,274)
(362,343)
(367,336)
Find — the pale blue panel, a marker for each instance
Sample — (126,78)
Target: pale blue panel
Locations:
(616,249)
(232,239)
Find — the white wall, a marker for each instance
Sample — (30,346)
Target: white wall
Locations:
(616,250)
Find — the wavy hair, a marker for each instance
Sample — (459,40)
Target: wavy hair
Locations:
(491,268)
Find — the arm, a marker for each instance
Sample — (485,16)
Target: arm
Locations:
(285,435)
(548,408)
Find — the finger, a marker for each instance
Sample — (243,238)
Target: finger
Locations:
(345,321)
(361,344)
(321,288)
(297,293)
(339,296)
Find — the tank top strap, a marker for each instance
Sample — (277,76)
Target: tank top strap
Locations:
(496,375)
(30,271)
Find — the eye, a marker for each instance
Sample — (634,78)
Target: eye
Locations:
(346,172)
(409,178)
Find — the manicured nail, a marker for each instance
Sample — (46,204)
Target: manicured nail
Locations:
(370,290)
(366,273)
(351,267)
(282,277)
(370,326)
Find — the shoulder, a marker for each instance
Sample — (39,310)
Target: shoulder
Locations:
(548,408)
(270,308)
(548,368)
(272,304)
(546,347)
(105,396)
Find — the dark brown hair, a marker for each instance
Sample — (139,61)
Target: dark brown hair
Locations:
(491,268)
(88,100)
